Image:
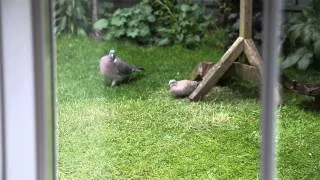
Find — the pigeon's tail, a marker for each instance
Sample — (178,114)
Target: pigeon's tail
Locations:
(138,69)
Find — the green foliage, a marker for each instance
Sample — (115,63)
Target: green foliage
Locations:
(132,23)
(71,17)
(160,22)
(302,41)
(74,16)
(180,23)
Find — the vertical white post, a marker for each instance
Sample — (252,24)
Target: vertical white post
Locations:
(2,160)
(271,41)
(27,89)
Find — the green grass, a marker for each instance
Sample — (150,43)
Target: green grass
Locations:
(138,131)
(298,134)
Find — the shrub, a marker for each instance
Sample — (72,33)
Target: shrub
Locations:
(131,23)
(180,23)
(75,16)
(302,41)
(160,22)
(71,17)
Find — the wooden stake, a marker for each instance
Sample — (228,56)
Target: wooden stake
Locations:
(218,70)
(252,54)
(246,19)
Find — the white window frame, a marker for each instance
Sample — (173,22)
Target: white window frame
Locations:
(27,89)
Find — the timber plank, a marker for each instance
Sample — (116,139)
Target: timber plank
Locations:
(252,54)
(218,70)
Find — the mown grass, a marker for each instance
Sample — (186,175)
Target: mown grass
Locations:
(138,131)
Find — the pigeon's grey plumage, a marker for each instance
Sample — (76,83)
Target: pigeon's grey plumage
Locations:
(115,69)
(182,88)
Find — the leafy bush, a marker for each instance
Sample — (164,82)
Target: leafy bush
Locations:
(74,16)
(132,23)
(302,40)
(71,17)
(160,22)
(180,23)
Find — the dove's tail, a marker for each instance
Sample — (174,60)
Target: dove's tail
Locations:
(138,69)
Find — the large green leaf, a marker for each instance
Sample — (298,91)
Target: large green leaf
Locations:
(185,7)
(151,18)
(163,42)
(293,58)
(101,24)
(117,21)
(147,9)
(295,32)
(133,32)
(69,11)
(144,30)
(305,61)
(134,23)
(118,12)
(108,36)
(125,12)
(81,32)
(316,49)
(80,12)
(316,35)
(63,23)
(118,33)
(307,34)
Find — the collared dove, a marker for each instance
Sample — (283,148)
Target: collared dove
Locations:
(182,88)
(113,68)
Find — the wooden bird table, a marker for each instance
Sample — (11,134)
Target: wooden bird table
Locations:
(243,50)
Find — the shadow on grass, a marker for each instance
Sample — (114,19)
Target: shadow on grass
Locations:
(234,91)
(135,88)
(310,105)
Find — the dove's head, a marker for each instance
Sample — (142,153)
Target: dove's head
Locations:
(172,82)
(112,54)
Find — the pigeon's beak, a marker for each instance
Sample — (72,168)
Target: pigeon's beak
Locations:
(112,56)
(171,83)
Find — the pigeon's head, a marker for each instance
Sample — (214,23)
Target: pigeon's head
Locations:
(172,82)
(112,54)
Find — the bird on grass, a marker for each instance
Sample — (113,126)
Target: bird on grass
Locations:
(182,88)
(115,69)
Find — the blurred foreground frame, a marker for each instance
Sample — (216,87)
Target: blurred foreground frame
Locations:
(27,90)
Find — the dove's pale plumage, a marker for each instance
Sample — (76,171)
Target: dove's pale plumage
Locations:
(113,68)
(182,88)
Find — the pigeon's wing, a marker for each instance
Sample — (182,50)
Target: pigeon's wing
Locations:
(122,67)
(188,86)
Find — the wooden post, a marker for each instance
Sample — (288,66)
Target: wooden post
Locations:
(218,70)
(252,54)
(245,23)
(246,19)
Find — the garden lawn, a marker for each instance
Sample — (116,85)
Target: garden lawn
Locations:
(138,131)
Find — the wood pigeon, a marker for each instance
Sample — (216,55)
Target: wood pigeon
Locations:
(182,88)
(115,69)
